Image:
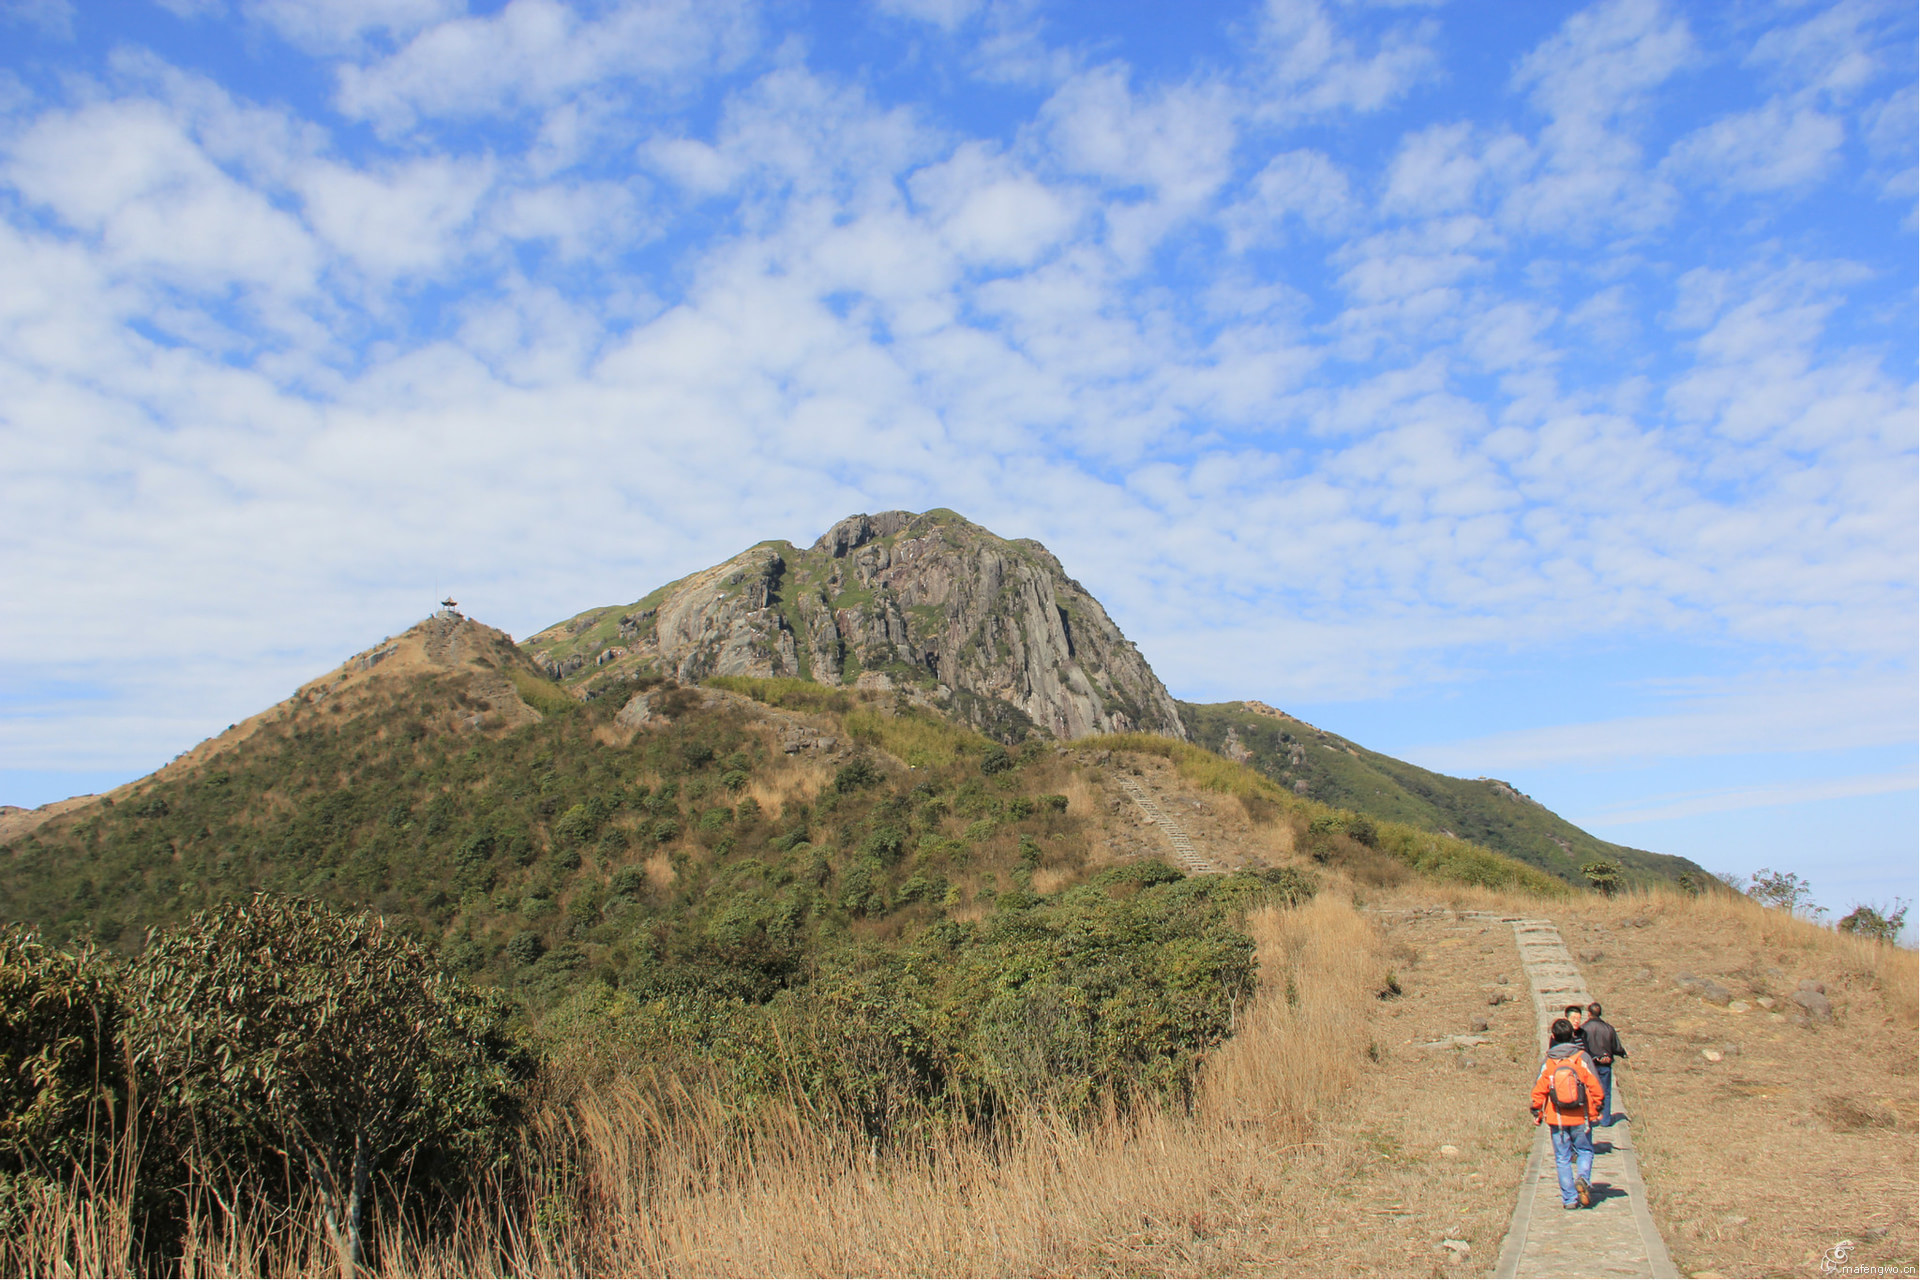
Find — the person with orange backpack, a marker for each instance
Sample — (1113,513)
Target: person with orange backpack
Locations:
(1566,1098)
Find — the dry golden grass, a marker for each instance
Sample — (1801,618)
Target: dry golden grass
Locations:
(788,780)
(1085,797)
(1053,879)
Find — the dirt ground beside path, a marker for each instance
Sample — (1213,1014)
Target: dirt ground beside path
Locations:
(1797,1137)
(1384,1194)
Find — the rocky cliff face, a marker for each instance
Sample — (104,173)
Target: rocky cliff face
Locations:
(994,632)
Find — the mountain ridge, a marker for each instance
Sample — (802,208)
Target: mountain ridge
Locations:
(1321,765)
(945,617)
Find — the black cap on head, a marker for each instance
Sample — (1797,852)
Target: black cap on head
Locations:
(1560,1032)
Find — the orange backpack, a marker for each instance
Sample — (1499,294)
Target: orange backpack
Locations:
(1568,1090)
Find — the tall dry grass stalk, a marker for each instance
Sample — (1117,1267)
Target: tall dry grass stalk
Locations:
(652,1176)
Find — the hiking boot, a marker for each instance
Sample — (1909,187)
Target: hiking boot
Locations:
(1583,1189)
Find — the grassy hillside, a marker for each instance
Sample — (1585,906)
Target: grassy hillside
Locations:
(745,830)
(696,856)
(1325,767)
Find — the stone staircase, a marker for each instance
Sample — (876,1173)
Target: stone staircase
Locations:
(1184,853)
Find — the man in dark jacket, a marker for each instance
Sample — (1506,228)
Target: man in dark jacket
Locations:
(1603,1046)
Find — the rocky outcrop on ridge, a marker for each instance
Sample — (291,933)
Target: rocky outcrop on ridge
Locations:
(992,631)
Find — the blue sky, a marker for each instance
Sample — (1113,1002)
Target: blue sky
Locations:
(1523,389)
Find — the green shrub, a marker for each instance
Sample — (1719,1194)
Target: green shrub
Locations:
(62,1077)
(309,1051)
(1602,875)
(855,774)
(1141,874)
(1883,924)
(884,845)
(577,824)
(995,760)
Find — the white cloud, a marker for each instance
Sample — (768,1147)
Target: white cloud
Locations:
(580,219)
(1174,142)
(1436,171)
(1771,148)
(991,212)
(948,15)
(410,219)
(128,175)
(1302,184)
(533,52)
(335,26)
(1163,155)
(694,165)
(52,17)
(1312,67)
(1833,52)
(1594,79)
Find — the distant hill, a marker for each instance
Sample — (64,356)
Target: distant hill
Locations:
(1323,766)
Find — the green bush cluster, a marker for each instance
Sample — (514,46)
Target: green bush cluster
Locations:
(1107,994)
(271,1051)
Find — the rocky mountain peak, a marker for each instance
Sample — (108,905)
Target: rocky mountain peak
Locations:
(989,630)
(857,531)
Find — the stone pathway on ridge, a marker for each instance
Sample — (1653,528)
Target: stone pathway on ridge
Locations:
(1616,1237)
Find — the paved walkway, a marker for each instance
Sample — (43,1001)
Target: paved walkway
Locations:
(1616,1237)
(1188,856)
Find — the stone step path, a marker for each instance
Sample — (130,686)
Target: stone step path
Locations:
(1183,850)
(1616,1237)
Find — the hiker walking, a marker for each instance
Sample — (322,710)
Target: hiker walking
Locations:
(1603,1046)
(1566,1098)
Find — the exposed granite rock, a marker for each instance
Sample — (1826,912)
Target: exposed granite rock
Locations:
(992,631)
(1816,1004)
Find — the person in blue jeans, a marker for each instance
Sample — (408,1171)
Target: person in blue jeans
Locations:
(1603,1046)
(1566,1098)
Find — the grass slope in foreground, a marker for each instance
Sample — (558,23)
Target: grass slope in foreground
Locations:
(1485,811)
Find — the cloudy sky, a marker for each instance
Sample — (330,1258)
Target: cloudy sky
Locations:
(1525,389)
